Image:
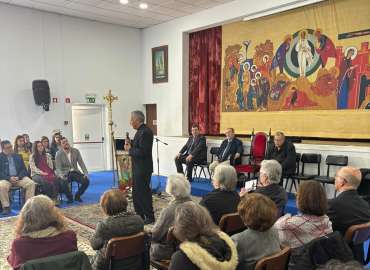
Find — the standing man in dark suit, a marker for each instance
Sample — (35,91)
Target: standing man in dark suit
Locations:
(230,151)
(283,151)
(140,151)
(193,152)
(348,208)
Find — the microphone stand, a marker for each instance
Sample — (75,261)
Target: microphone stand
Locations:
(158,192)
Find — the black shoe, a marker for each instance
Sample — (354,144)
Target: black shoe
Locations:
(70,201)
(78,198)
(6,211)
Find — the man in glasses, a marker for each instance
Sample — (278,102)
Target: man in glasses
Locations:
(348,208)
(13,172)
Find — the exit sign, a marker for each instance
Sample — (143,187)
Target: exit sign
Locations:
(90,98)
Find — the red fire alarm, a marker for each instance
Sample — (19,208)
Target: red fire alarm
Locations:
(55,100)
(68,100)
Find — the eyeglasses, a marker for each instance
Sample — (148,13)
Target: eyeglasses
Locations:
(340,177)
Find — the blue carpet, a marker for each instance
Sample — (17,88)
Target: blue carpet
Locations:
(102,181)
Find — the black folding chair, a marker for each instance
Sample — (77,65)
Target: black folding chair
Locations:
(331,160)
(292,177)
(310,159)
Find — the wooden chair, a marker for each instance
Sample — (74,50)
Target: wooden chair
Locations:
(356,236)
(278,261)
(120,248)
(164,264)
(231,224)
(160,265)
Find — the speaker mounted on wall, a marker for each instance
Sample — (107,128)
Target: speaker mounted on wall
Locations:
(41,93)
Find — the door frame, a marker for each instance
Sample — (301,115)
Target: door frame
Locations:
(105,131)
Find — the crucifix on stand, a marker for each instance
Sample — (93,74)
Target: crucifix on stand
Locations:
(110,99)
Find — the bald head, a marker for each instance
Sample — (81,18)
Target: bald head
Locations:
(351,177)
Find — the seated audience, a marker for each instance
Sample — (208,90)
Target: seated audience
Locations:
(27,142)
(46,144)
(42,173)
(40,232)
(13,173)
(348,208)
(338,265)
(118,223)
(311,223)
(230,151)
(203,246)
(55,144)
(66,161)
(224,199)
(21,149)
(261,239)
(179,188)
(193,152)
(284,152)
(269,179)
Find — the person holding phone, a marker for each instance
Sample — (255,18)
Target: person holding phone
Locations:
(268,185)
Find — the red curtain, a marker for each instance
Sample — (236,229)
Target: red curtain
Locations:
(205,80)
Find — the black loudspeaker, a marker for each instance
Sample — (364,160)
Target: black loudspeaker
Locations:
(41,93)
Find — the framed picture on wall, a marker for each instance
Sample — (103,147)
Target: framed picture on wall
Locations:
(160,64)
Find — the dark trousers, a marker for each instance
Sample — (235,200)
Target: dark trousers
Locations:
(50,189)
(53,189)
(64,188)
(142,195)
(189,165)
(79,178)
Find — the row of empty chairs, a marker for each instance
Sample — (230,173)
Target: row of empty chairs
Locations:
(314,160)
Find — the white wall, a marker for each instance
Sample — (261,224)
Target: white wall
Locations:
(172,97)
(76,56)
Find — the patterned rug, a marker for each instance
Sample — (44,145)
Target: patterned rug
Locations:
(90,215)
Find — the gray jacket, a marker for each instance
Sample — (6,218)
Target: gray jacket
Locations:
(63,166)
(160,249)
(264,244)
(123,224)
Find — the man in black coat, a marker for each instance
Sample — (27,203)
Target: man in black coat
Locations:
(140,151)
(193,152)
(284,152)
(348,208)
(230,151)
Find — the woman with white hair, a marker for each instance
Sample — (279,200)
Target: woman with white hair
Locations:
(179,188)
(223,199)
(40,232)
(270,175)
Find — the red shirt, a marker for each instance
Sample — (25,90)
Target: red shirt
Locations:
(24,249)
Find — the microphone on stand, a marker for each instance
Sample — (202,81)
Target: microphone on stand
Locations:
(157,190)
(158,140)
